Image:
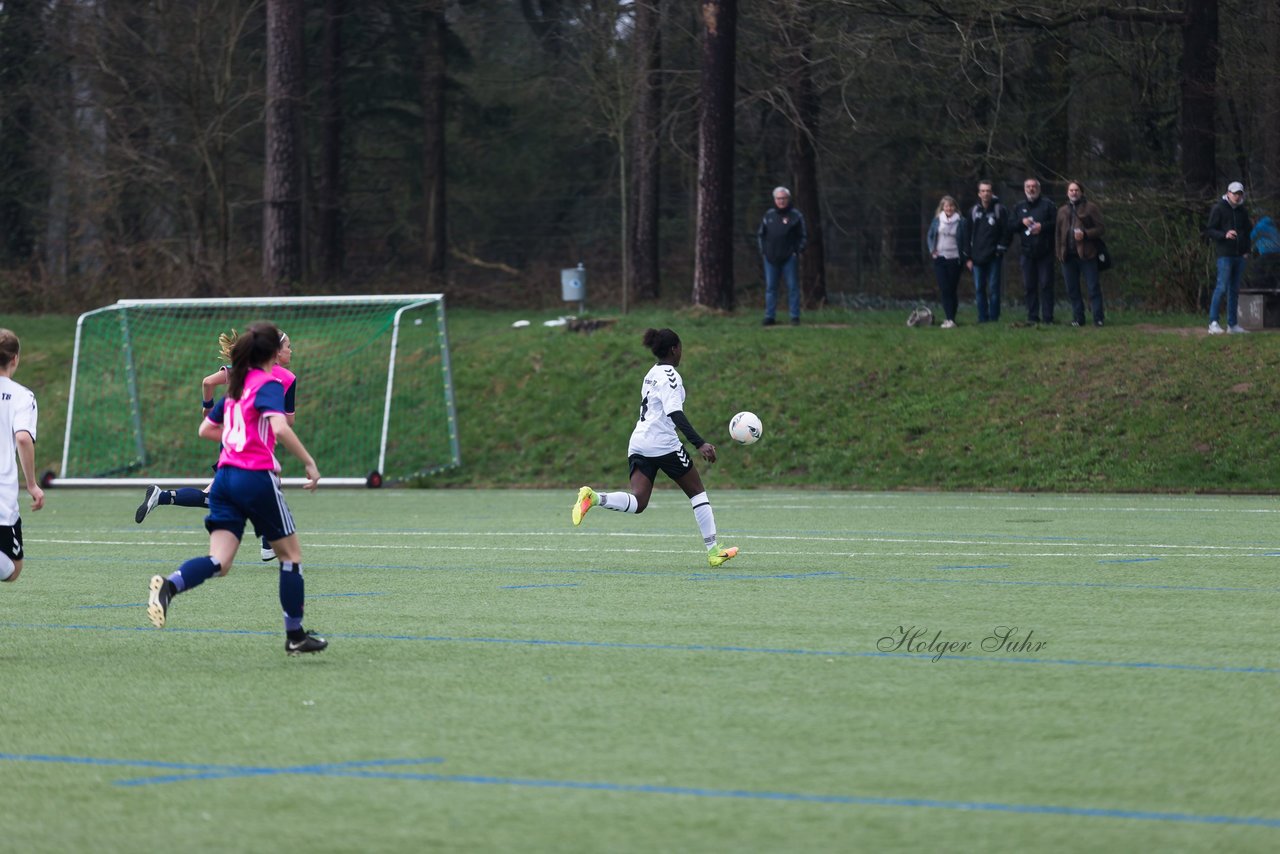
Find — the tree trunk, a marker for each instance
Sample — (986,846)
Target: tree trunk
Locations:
(1198,89)
(804,166)
(330,218)
(282,179)
(20,169)
(435,236)
(646,124)
(1270,109)
(713,268)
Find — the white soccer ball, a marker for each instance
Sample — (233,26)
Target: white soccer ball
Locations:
(745,428)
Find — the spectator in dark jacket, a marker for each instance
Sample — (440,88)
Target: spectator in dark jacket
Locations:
(781,238)
(1229,229)
(1035,216)
(988,240)
(1079,228)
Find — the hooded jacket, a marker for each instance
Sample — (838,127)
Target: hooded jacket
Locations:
(1222,218)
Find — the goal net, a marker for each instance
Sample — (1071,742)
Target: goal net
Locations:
(374,400)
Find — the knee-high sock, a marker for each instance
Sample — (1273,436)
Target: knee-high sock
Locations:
(623,502)
(195,572)
(187,496)
(706,519)
(292,594)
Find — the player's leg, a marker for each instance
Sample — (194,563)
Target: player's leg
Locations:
(11,551)
(643,471)
(691,482)
(273,521)
(187,496)
(225,524)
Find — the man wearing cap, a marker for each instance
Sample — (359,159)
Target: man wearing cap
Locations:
(1228,228)
(781,238)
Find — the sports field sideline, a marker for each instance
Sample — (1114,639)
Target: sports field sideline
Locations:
(900,671)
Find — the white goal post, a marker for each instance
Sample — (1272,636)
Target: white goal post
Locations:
(375,401)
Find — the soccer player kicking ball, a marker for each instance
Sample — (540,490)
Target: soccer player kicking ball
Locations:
(655,447)
(248,422)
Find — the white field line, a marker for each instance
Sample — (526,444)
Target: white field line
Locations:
(1134,551)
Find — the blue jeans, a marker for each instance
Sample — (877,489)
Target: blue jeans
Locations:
(986,286)
(1072,267)
(789,270)
(1229,271)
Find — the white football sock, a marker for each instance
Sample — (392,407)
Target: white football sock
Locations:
(6,567)
(623,502)
(706,519)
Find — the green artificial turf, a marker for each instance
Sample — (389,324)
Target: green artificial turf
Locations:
(499,680)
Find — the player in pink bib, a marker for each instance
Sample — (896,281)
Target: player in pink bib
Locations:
(248,422)
(189,496)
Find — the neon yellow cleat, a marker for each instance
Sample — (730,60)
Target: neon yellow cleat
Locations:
(717,555)
(586,500)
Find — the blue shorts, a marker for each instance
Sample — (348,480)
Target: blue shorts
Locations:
(240,494)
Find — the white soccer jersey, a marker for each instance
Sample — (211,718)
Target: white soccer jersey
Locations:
(661,395)
(17,412)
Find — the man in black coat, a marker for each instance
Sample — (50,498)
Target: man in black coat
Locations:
(988,240)
(781,238)
(1035,215)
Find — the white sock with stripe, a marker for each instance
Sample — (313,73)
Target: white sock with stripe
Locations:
(623,502)
(706,519)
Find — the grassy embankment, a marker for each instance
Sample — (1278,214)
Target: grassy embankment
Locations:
(848,400)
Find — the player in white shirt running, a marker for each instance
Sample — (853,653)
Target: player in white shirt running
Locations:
(17,436)
(655,447)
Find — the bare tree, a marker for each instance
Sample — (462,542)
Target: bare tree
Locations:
(435,237)
(645,150)
(1199,96)
(329,192)
(713,266)
(282,176)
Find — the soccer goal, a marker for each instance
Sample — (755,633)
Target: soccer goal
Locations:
(374,396)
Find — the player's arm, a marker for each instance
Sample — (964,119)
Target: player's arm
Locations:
(27,456)
(290,397)
(288,438)
(211,424)
(704,447)
(209,383)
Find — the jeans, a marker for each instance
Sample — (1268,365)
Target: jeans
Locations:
(986,286)
(947,272)
(1230,269)
(1072,267)
(1037,280)
(787,269)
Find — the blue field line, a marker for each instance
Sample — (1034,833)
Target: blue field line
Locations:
(1111,585)
(672,647)
(534,586)
(368,770)
(979,566)
(719,576)
(143,604)
(1132,560)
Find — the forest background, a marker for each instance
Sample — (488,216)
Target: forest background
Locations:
(228,147)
